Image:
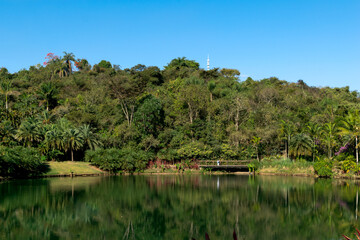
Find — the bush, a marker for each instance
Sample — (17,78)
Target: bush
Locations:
(349,164)
(323,167)
(195,150)
(21,162)
(116,160)
(253,165)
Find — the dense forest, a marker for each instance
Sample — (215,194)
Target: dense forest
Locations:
(66,109)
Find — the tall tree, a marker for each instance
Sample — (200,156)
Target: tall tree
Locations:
(329,133)
(48,93)
(350,128)
(301,145)
(68,58)
(181,62)
(88,136)
(126,90)
(195,98)
(6,90)
(287,130)
(314,130)
(73,141)
(28,132)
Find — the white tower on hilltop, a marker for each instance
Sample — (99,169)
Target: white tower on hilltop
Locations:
(208,63)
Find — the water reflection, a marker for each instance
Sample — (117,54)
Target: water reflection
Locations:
(178,207)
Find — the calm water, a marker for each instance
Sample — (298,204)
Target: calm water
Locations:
(178,207)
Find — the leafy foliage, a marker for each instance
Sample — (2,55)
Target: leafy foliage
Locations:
(116,160)
(21,162)
(323,167)
(178,113)
(349,164)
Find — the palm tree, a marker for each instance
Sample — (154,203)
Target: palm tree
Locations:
(62,70)
(328,132)
(286,132)
(301,145)
(47,93)
(256,141)
(28,132)
(68,57)
(350,128)
(6,90)
(89,137)
(7,131)
(53,137)
(61,128)
(314,131)
(211,86)
(45,117)
(73,140)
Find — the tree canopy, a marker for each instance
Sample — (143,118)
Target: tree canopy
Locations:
(179,112)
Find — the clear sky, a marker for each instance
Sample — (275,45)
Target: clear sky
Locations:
(317,41)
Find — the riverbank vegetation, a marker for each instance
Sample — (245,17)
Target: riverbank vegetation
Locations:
(66,109)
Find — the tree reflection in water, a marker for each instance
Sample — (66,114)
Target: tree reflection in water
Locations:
(178,207)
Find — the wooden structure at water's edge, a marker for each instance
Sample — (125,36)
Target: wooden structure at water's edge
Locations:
(226,165)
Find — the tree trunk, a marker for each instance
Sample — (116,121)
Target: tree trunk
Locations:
(313,154)
(237,120)
(357,150)
(6,102)
(128,115)
(72,155)
(288,149)
(191,113)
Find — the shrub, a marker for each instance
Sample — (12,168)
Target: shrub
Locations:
(349,164)
(253,165)
(21,162)
(323,167)
(194,150)
(116,160)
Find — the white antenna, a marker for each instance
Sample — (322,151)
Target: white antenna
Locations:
(208,62)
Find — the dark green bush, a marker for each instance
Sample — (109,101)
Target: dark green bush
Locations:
(21,162)
(115,160)
(323,167)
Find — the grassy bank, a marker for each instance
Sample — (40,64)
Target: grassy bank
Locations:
(282,166)
(75,168)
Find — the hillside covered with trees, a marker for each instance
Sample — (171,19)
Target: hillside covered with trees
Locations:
(121,119)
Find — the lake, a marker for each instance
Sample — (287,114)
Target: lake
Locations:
(178,207)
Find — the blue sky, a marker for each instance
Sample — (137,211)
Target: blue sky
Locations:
(317,41)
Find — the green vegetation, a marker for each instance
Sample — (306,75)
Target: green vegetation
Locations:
(115,160)
(66,107)
(323,167)
(21,162)
(286,166)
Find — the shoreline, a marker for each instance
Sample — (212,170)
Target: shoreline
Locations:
(156,171)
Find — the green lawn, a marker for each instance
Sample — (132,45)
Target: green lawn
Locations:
(65,168)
